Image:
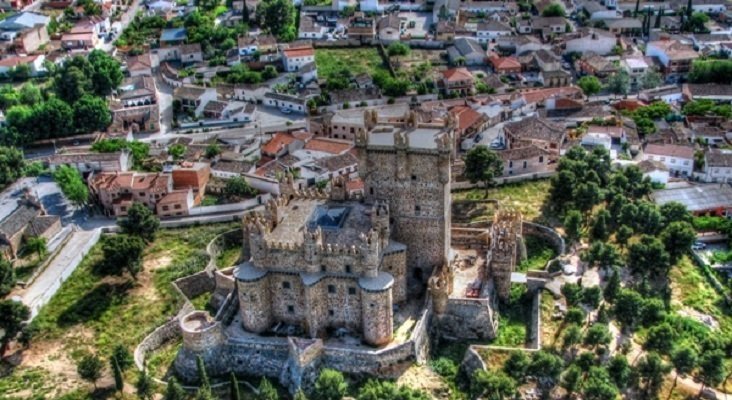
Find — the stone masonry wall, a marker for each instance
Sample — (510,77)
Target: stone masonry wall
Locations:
(466,319)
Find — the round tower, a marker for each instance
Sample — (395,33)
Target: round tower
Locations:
(200,332)
(254,298)
(376,309)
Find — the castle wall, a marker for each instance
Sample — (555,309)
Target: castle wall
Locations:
(418,198)
(395,263)
(255,305)
(467,319)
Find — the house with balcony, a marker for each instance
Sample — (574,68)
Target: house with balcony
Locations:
(674,56)
(678,159)
(458,80)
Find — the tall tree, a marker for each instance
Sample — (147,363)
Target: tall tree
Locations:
(7,276)
(651,371)
(233,387)
(619,83)
(107,73)
(267,391)
(11,165)
(492,385)
(278,18)
(119,383)
(145,386)
(649,257)
(123,356)
(711,368)
(203,380)
(482,166)
(590,85)
(91,114)
(685,360)
(678,238)
(36,244)
(72,185)
(140,222)
(122,253)
(89,368)
(12,316)
(174,391)
(573,225)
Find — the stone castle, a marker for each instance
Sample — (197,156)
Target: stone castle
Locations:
(338,282)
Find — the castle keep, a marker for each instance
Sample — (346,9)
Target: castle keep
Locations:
(321,265)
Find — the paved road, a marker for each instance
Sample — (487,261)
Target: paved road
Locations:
(124,20)
(65,262)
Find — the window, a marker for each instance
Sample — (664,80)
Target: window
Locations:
(525,164)
(291,309)
(177,206)
(331,313)
(510,164)
(348,269)
(417,209)
(541,159)
(331,289)
(322,268)
(414,177)
(352,290)
(285,285)
(165,208)
(371,191)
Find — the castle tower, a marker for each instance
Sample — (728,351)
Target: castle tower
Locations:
(312,243)
(505,241)
(369,249)
(252,288)
(413,177)
(376,309)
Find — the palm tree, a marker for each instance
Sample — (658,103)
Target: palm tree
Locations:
(37,244)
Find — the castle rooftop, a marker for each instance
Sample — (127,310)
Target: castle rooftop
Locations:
(417,138)
(340,222)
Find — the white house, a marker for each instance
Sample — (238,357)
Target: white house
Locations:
(297,57)
(717,166)
(636,67)
(598,41)
(595,139)
(310,28)
(489,30)
(286,102)
(656,171)
(35,64)
(678,159)
(669,94)
(597,11)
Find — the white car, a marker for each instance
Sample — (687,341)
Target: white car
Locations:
(286,111)
(698,246)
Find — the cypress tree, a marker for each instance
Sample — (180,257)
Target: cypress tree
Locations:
(233,387)
(119,383)
(637,6)
(174,391)
(689,9)
(202,376)
(658,18)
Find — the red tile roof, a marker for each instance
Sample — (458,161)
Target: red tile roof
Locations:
(331,146)
(299,52)
(505,63)
(670,150)
(279,141)
(466,117)
(457,74)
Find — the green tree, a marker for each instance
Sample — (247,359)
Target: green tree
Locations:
(119,383)
(482,166)
(599,386)
(267,391)
(649,257)
(213,150)
(711,367)
(37,244)
(573,225)
(651,79)
(572,336)
(398,49)
(107,73)
(590,85)
(571,378)
(545,365)
(174,391)
(622,234)
(238,188)
(203,380)
(123,356)
(516,365)
(674,212)
(685,359)
(12,315)
(619,370)
(330,385)
(300,395)
(30,94)
(619,83)
(140,221)
(387,390)
(233,387)
(55,114)
(597,335)
(145,386)
(269,72)
(492,385)
(91,114)
(572,293)
(600,229)
(72,185)
(613,286)
(177,151)
(71,82)
(553,10)
(89,368)
(278,18)
(7,277)
(660,338)
(651,371)
(575,315)
(628,307)
(122,253)
(678,238)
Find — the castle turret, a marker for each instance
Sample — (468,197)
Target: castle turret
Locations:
(311,245)
(376,309)
(254,298)
(370,253)
(380,221)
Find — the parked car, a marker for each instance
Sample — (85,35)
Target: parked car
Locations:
(286,110)
(698,246)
